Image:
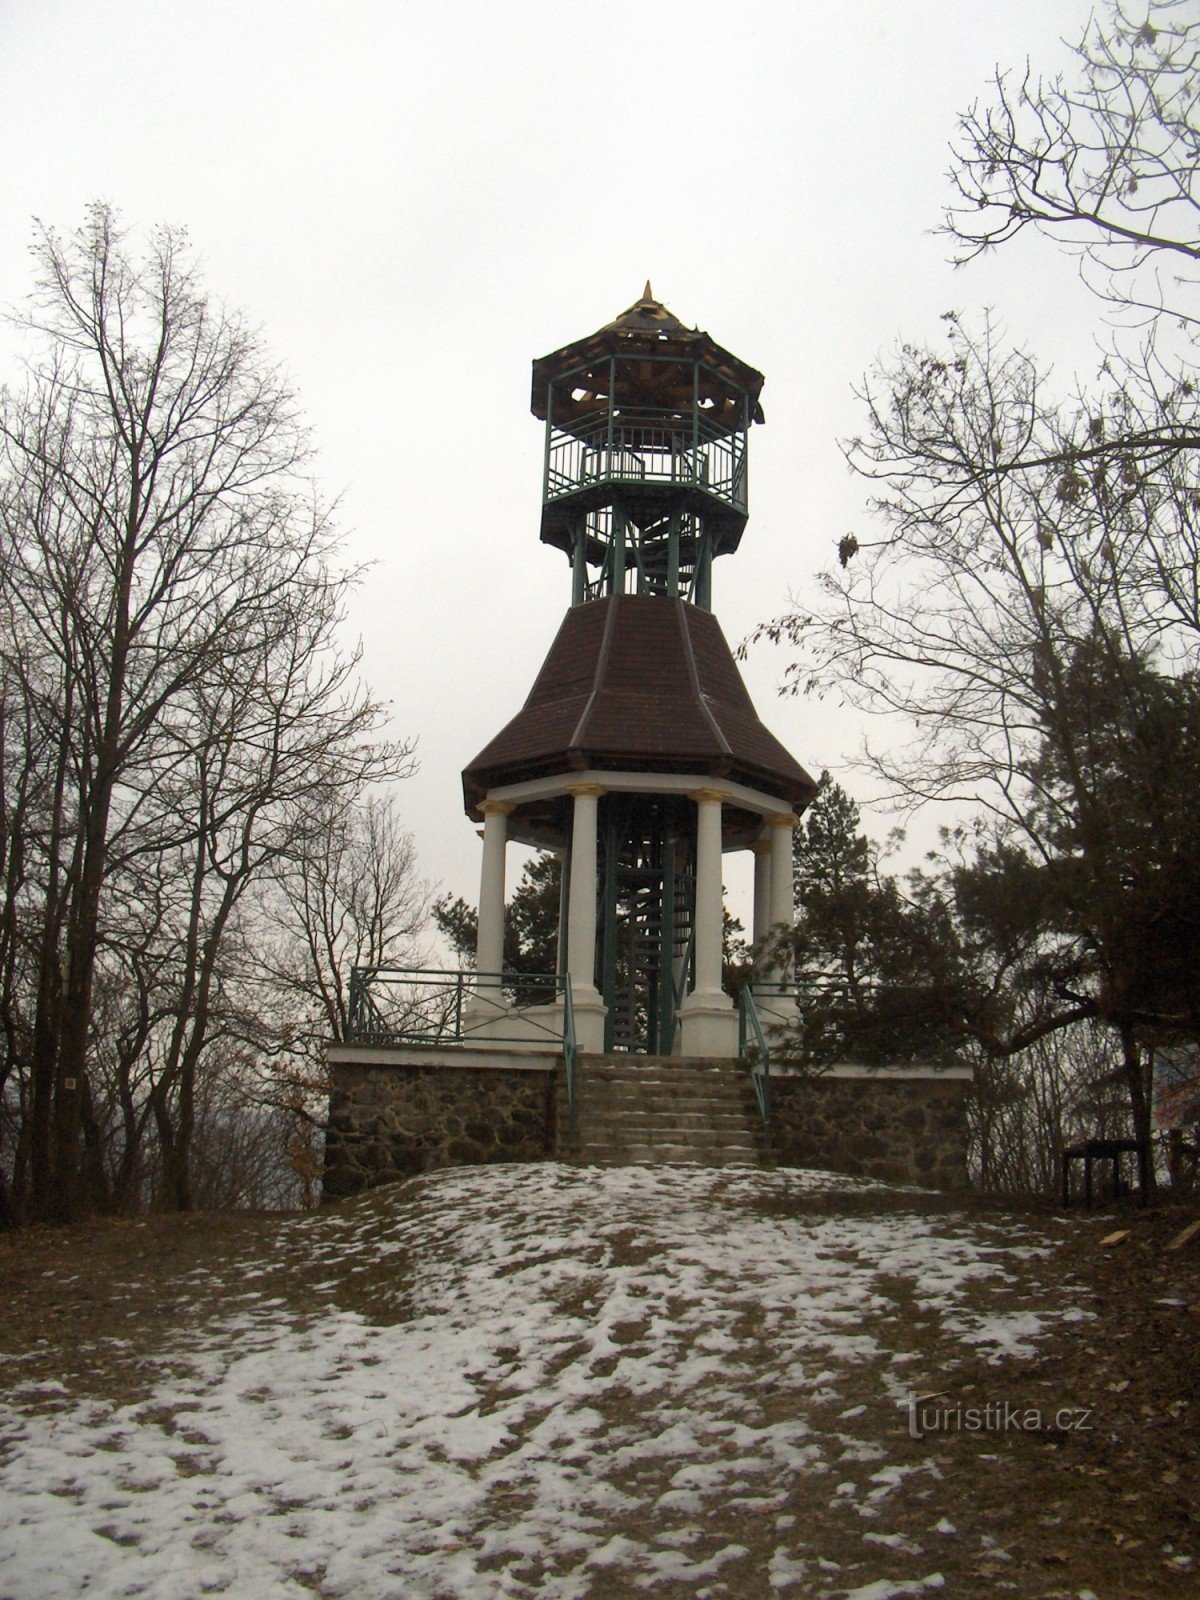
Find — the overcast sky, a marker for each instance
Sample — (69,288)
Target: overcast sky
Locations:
(415,200)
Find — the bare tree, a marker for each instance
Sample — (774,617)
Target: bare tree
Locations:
(1032,637)
(353,898)
(1103,161)
(171,577)
(1023,608)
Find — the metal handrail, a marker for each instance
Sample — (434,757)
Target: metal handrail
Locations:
(436,1005)
(646,451)
(441,1000)
(679,985)
(570,1055)
(749,1023)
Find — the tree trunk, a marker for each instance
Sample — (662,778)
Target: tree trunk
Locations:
(84,926)
(1142,1107)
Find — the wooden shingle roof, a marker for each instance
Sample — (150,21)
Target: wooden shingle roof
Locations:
(641,683)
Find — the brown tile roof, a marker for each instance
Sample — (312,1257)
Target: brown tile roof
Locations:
(639,682)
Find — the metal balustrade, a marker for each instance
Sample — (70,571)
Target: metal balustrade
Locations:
(645,453)
(430,1005)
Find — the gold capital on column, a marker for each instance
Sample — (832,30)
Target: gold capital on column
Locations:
(497,808)
(785,819)
(587,790)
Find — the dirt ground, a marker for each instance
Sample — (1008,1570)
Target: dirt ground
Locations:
(1108,1509)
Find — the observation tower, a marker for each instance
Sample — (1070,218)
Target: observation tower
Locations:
(638,754)
(639,759)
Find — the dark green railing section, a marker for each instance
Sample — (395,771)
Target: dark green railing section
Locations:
(752,1046)
(679,986)
(714,461)
(428,1005)
(570,1059)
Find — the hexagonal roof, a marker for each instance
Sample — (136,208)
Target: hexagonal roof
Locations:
(639,683)
(646,328)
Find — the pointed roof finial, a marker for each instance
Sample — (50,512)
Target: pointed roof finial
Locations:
(648,293)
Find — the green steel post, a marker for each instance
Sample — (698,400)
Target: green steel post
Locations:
(703,589)
(666,950)
(612,406)
(579,563)
(608,927)
(564,893)
(549,435)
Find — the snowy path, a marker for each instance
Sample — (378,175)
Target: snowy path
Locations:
(581,1383)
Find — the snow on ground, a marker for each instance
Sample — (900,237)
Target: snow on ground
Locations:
(580,1382)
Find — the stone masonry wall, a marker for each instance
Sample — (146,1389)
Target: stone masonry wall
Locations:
(394,1121)
(911,1130)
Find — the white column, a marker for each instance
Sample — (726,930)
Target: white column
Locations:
(581,919)
(709,904)
(773,996)
(489,941)
(783,890)
(708,1021)
(762,888)
(564,882)
(783,893)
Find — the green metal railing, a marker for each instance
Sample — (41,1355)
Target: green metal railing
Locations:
(570,1058)
(679,984)
(752,1045)
(713,460)
(430,1005)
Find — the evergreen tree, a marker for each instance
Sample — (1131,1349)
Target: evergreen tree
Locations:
(872,964)
(530,921)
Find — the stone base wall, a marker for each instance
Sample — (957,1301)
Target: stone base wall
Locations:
(389,1121)
(393,1115)
(899,1130)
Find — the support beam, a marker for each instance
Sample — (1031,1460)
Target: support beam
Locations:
(709,904)
(762,888)
(564,880)
(581,918)
(783,892)
(579,564)
(708,1021)
(775,995)
(489,942)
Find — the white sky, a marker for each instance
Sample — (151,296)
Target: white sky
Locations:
(415,200)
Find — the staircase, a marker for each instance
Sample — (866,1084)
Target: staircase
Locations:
(632,1109)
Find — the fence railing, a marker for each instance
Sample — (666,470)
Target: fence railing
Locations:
(429,1005)
(570,1058)
(679,983)
(715,461)
(753,1047)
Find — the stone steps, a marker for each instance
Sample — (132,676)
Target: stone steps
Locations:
(660,1154)
(647,1109)
(610,1119)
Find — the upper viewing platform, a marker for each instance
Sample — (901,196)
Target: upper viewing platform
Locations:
(650,414)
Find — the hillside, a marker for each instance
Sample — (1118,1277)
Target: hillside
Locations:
(577,1383)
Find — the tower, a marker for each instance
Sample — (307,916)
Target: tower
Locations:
(638,754)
